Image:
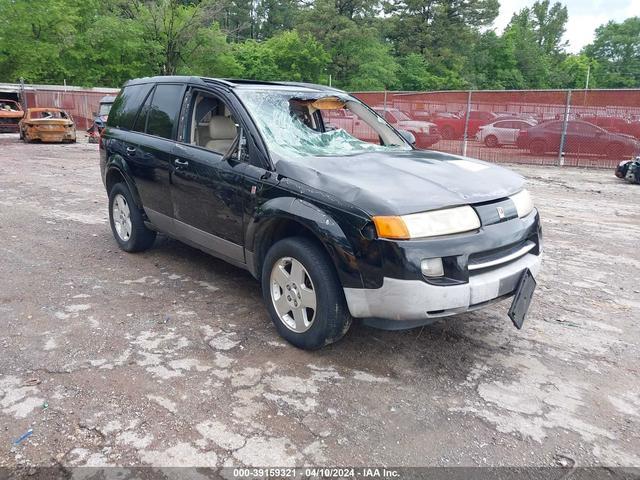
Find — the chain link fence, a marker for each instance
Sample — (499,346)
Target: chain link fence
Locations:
(585,128)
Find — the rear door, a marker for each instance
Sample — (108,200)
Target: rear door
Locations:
(128,138)
(153,157)
(503,131)
(516,126)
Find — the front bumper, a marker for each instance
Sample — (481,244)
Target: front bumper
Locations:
(418,301)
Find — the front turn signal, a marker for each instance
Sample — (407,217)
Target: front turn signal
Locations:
(391,227)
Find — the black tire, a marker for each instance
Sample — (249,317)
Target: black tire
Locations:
(538,147)
(332,318)
(615,151)
(448,133)
(491,141)
(141,238)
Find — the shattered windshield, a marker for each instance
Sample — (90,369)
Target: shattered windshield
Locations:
(323,125)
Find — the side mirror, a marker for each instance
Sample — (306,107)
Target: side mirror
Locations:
(408,136)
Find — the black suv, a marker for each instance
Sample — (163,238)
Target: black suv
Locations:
(335,224)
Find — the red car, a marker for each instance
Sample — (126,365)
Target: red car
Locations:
(451,125)
(615,124)
(581,137)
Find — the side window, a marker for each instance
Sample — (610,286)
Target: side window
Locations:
(502,124)
(165,107)
(141,121)
(125,108)
(212,124)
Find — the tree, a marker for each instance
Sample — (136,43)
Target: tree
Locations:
(573,70)
(176,28)
(298,57)
(442,31)
(616,48)
(494,63)
(360,59)
(549,24)
(286,56)
(35,37)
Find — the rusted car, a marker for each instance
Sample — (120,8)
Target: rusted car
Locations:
(47,125)
(10,114)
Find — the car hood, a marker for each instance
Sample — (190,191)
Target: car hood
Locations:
(413,124)
(399,183)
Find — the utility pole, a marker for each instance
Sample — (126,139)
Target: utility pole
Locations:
(586,87)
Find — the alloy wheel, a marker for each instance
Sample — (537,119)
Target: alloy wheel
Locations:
(293,294)
(121,217)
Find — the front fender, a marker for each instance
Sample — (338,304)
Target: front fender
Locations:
(324,227)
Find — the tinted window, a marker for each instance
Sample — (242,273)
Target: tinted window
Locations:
(165,107)
(502,125)
(141,121)
(583,128)
(125,108)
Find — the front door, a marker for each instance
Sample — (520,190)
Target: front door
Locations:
(207,179)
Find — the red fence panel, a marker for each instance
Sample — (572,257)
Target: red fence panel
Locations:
(587,128)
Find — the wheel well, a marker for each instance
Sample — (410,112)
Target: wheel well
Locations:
(113,176)
(275,230)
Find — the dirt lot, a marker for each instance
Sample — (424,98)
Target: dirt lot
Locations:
(168,357)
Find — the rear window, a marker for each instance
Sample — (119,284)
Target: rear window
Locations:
(165,108)
(125,108)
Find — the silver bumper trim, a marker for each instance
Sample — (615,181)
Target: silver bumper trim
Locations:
(418,300)
(507,258)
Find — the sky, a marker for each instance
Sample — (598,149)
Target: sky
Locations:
(584,16)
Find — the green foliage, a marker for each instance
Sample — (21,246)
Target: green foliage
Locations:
(616,49)
(286,56)
(355,44)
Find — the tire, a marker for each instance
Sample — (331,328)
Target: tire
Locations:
(615,151)
(134,236)
(330,320)
(448,133)
(538,147)
(491,141)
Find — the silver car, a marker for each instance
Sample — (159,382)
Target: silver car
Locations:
(502,132)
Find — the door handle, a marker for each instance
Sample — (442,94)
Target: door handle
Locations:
(180,163)
(131,150)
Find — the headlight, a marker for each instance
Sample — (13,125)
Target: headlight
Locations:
(523,202)
(428,224)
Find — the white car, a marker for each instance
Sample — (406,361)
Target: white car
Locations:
(502,132)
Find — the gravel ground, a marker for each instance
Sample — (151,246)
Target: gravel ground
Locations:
(169,358)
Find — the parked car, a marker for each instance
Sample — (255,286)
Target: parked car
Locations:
(101,116)
(47,125)
(10,115)
(425,133)
(332,226)
(629,170)
(581,137)
(451,126)
(502,132)
(615,124)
